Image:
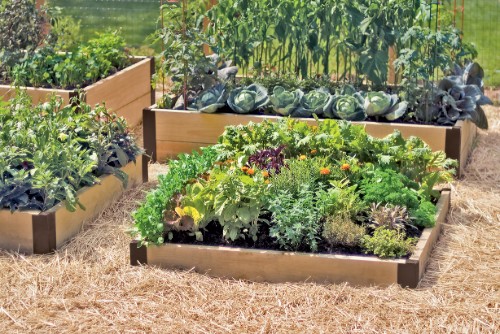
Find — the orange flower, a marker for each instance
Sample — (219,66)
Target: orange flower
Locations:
(302,157)
(314,151)
(244,169)
(345,167)
(250,171)
(324,171)
(265,173)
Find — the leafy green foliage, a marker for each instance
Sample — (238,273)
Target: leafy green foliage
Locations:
(243,100)
(87,64)
(21,32)
(388,243)
(210,100)
(424,215)
(312,187)
(317,101)
(340,231)
(48,152)
(387,186)
(148,217)
(285,102)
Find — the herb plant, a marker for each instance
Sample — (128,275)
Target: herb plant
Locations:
(48,152)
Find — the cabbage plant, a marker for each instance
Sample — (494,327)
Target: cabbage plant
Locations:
(210,100)
(348,107)
(317,102)
(244,100)
(383,104)
(284,102)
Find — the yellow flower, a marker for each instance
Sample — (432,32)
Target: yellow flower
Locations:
(267,181)
(265,173)
(314,151)
(302,157)
(345,167)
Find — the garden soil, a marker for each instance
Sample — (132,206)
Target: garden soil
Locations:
(88,286)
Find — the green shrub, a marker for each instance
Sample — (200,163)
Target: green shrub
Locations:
(48,152)
(424,215)
(341,231)
(387,186)
(387,243)
(295,221)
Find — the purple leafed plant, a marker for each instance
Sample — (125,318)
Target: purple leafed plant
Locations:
(271,159)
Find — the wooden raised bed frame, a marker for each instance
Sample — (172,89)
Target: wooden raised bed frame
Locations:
(170,132)
(125,93)
(43,232)
(277,266)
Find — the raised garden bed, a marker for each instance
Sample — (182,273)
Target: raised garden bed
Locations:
(277,266)
(170,132)
(125,92)
(43,232)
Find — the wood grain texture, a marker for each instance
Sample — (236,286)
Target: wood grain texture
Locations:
(95,199)
(119,90)
(125,93)
(276,266)
(182,131)
(38,95)
(16,229)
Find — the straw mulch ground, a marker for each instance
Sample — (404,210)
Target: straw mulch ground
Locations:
(88,285)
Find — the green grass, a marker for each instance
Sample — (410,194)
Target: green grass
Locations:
(136,18)
(481,27)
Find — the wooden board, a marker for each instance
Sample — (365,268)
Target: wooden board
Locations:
(43,232)
(125,93)
(276,266)
(177,131)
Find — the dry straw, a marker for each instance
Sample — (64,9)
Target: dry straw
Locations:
(88,285)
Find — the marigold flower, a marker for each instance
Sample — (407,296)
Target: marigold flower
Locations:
(265,173)
(314,151)
(345,167)
(324,171)
(302,157)
(267,181)
(244,169)
(250,171)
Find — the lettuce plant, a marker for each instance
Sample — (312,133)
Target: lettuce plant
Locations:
(244,100)
(284,102)
(210,100)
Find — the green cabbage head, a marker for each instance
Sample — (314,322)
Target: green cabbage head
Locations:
(244,100)
(285,102)
(315,102)
(348,107)
(378,103)
(210,100)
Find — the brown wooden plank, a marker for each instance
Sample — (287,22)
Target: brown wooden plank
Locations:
(95,199)
(275,266)
(138,255)
(122,87)
(16,231)
(132,111)
(166,150)
(192,126)
(468,138)
(38,95)
(429,236)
